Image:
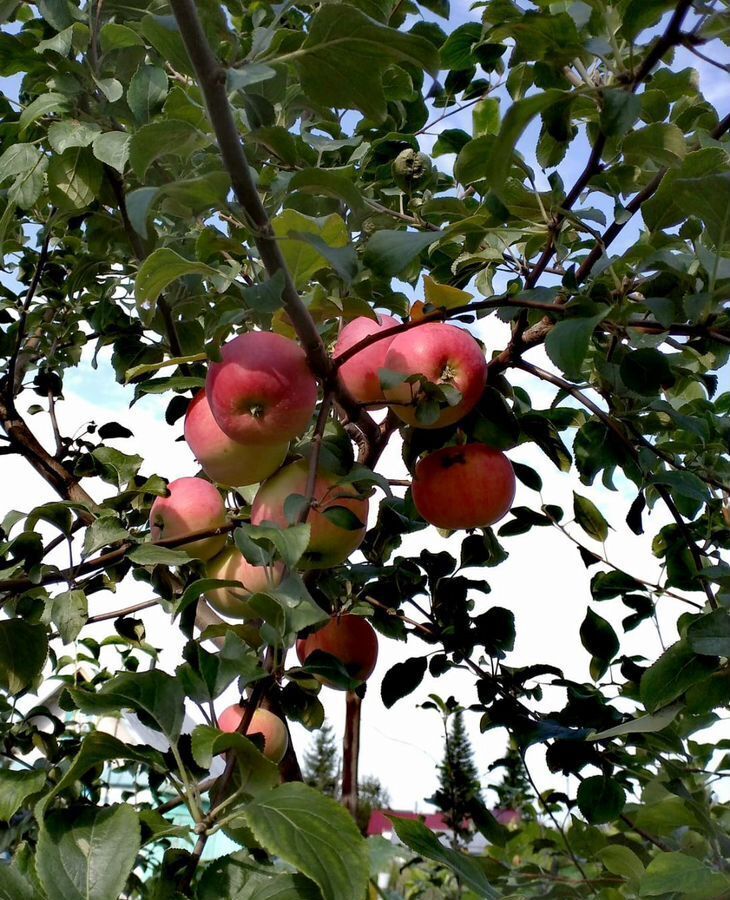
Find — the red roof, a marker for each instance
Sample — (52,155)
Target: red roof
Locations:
(379,822)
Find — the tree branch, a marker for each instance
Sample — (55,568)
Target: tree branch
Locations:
(212,79)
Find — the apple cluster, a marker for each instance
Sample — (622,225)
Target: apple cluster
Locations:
(256,400)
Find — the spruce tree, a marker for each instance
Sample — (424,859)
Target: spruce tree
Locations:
(514,791)
(458,778)
(321,767)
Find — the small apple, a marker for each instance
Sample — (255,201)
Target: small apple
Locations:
(329,543)
(232,565)
(263,722)
(443,354)
(471,486)
(192,505)
(262,392)
(349,639)
(411,169)
(360,373)
(224,460)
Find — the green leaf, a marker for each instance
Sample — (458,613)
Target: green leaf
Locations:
(96,748)
(290,543)
(600,799)
(327,183)
(71,133)
(16,785)
(620,110)
(283,887)
(112,148)
(147,91)
(314,834)
(622,861)
(258,774)
(709,635)
(641,725)
(590,518)
(159,270)
(343,518)
(341,45)
(19,159)
(389,252)
(342,259)
(471,163)
(23,651)
(44,105)
(661,142)
(87,853)
(402,679)
(664,209)
(69,613)
(14,885)
(301,256)
(265,298)
(156,697)
(74,179)
(599,639)
(423,841)
(118,37)
(568,340)
(103,531)
(708,198)
(170,137)
(680,874)
(515,122)
(485,116)
(151,555)
(677,669)
(456,52)
(645,371)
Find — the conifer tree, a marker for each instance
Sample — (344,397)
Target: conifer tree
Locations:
(458,777)
(321,767)
(514,791)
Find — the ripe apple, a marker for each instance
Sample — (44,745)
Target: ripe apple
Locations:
(360,373)
(464,487)
(263,722)
(443,354)
(222,459)
(232,565)
(192,505)
(329,543)
(350,639)
(262,392)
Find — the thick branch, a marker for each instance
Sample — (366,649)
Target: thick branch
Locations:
(351,752)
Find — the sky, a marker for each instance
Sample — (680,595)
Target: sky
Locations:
(543,582)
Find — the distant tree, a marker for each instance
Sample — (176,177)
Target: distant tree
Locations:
(322,762)
(371,795)
(514,791)
(458,777)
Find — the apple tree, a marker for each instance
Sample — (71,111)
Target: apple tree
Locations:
(224,197)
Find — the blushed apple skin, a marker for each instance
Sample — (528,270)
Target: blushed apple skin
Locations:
(350,639)
(464,487)
(444,354)
(193,505)
(224,460)
(263,722)
(360,374)
(329,545)
(262,391)
(232,565)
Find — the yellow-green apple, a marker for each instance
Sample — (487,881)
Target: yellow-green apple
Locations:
(262,391)
(443,354)
(349,639)
(359,374)
(222,459)
(232,565)
(330,543)
(264,723)
(192,505)
(471,486)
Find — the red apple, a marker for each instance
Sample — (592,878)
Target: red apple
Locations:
(263,722)
(350,639)
(443,354)
(464,487)
(224,460)
(329,544)
(192,505)
(232,565)
(360,373)
(262,392)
